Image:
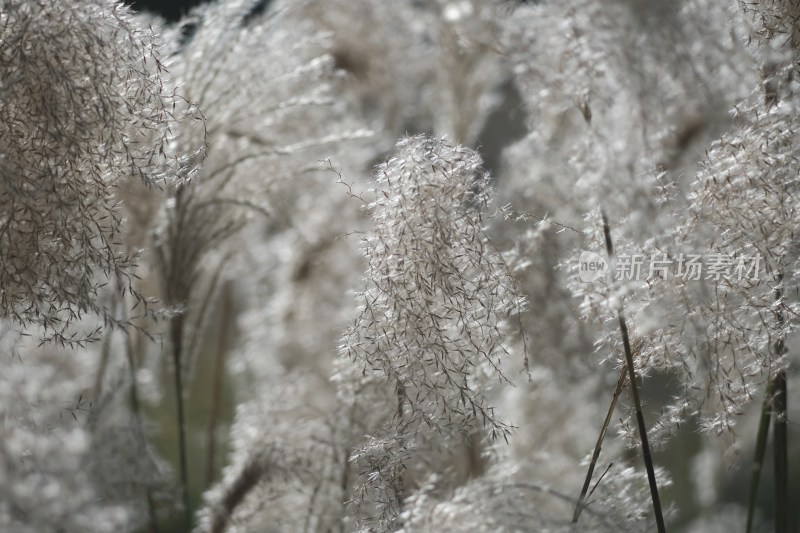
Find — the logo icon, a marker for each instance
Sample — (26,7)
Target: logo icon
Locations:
(591,266)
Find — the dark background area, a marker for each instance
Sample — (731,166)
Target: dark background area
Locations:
(171,10)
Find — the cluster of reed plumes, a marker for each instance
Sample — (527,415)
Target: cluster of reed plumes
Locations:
(231,299)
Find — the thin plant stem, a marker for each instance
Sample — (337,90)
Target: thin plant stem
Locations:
(344,485)
(781,462)
(138,426)
(105,350)
(216,393)
(211,292)
(400,485)
(648,459)
(105,354)
(758,458)
(137,417)
(176,332)
(599,445)
(779,436)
